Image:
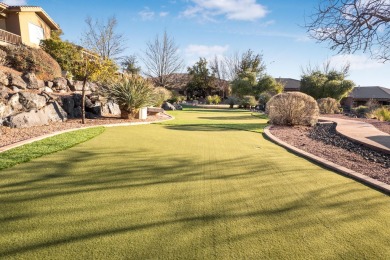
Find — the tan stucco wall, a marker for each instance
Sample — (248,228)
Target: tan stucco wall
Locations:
(12,23)
(3,24)
(31,17)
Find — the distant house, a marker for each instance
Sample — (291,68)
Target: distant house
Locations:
(360,95)
(290,85)
(25,25)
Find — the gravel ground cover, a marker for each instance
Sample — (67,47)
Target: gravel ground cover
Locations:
(323,141)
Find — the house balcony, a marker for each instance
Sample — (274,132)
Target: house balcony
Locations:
(10,38)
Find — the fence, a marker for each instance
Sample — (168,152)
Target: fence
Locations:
(10,37)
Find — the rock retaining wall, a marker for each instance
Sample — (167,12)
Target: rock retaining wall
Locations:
(27,101)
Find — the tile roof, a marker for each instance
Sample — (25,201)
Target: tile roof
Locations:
(375,92)
(289,83)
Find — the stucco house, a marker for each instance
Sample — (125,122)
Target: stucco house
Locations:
(290,85)
(360,95)
(25,25)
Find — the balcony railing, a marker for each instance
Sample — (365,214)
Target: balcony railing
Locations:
(10,37)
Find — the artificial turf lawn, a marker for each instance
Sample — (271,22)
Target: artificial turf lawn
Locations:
(187,189)
(46,146)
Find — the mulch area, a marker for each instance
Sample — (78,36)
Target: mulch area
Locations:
(299,136)
(13,135)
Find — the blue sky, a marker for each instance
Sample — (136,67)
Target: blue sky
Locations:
(217,27)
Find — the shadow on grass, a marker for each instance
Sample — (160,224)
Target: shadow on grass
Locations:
(142,172)
(253,127)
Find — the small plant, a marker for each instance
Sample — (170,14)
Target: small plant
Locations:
(209,99)
(162,95)
(248,101)
(292,108)
(328,105)
(131,93)
(216,99)
(360,111)
(232,100)
(382,114)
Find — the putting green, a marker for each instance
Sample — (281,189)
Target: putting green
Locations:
(197,187)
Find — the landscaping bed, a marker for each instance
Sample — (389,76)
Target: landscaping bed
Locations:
(323,141)
(13,135)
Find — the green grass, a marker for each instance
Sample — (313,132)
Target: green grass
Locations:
(46,146)
(187,189)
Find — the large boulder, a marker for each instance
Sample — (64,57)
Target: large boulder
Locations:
(4,81)
(60,84)
(168,106)
(5,111)
(50,113)
(75,85)
(111,108)
(14,104)
(31,100)
(67,103)
(16,81)
(31,80)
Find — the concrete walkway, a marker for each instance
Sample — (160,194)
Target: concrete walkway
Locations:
(363,133)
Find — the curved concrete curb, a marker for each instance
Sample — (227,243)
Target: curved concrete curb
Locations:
(385,188)
(31,140)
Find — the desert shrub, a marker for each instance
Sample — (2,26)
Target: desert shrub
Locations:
(176,98)
(216,99)
(328,105)
(131,93)
(360,111)
(209,99)
(381,113)
(292,108)
(162,94)
(26,59)
(248,101)
(232,100)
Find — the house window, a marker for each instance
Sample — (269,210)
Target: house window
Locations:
(36,33)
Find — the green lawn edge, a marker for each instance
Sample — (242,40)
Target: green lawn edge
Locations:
(46,146)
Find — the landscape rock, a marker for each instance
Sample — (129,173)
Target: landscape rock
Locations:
(68,105)
(15,89)
(75,85)
(41,84)
(3,79)
(5,110)
(60,84)
(31,100)
(168,106)
(50,113)
(326,133)
(111,108)
(17,81)
(49,84)
(31,80)
(14,103)
(48,90)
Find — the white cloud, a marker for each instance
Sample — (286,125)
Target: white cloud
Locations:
(163,14)
(244,10)
(15,2)
(356,62)
(146,14)
(194,51)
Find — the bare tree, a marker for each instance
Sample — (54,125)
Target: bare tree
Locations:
(353,25)
(103,39)
(219,71)
(162,60)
